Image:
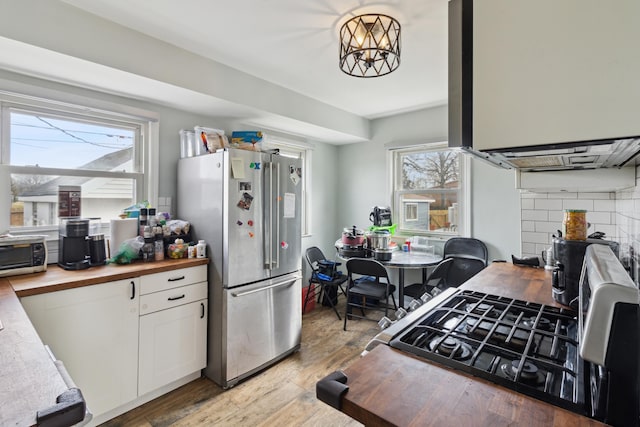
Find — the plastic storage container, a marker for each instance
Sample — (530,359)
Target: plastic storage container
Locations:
(187,143)
(201,249)
(210,140)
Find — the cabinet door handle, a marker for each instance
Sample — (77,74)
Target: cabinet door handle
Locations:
(133,289)
(175,298)
(202,307)
(175,279)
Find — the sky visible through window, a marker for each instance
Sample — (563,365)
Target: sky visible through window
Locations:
(51,142)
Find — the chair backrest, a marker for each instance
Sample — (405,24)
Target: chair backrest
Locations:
(367,267)
(469,256)
(314,255)
(440,273)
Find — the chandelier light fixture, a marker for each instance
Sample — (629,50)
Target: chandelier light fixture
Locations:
(370,45)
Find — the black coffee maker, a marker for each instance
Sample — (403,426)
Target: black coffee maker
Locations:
(380,216)
(569,255)
(73,244)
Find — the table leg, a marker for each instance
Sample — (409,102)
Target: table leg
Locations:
(401,287)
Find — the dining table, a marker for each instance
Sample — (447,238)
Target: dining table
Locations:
(405,260)
(402,261)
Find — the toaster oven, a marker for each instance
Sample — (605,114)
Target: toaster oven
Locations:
(22,254)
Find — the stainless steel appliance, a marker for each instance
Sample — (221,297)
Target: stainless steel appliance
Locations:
(569,256)
(585,361)
(503,68)
(22,255)
(73,244)
(246,205)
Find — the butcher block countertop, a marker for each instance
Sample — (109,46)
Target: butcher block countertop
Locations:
(29,380)
(388,387)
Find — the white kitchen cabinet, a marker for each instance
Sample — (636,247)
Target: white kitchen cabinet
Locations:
(94,331)
(173,326)
(129,341)
(173,344)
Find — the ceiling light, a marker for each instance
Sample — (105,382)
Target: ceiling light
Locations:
(370,45)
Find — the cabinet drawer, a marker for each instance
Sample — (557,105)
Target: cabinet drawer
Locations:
(172,279)
(172,298)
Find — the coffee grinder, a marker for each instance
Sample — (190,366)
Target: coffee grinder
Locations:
(73,244)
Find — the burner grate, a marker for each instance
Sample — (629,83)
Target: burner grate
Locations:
(528,347)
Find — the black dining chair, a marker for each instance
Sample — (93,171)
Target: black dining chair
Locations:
(469,255)
(437,278)
(369,287)
(323,276)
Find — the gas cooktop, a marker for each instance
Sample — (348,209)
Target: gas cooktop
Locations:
(524,346)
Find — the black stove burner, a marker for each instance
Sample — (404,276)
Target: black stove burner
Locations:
(502,334)
(544,324)
(482,309)
(529,374)
(487,336)
(450,347)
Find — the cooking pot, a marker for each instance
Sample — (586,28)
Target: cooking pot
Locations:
(353,237)
(382,254)
(379,240)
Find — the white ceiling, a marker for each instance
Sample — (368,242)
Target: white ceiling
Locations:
(294,43)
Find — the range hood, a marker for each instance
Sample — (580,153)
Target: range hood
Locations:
(538,86)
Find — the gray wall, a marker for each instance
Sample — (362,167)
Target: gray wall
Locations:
(365,181)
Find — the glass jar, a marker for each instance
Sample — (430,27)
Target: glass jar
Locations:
(574,224)
(159,248)
(148,250)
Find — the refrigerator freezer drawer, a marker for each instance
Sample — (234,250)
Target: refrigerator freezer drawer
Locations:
(264,322)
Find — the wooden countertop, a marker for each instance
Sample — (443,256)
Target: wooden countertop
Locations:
(390,387)
(29,380)
(58,279)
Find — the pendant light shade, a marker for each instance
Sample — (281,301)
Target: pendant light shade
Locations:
(370,45)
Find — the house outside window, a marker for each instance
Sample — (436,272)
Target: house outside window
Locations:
(49,147)
(429,190)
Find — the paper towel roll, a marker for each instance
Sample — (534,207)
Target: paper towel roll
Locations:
(121,230)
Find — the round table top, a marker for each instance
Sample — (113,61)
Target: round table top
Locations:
(412,259)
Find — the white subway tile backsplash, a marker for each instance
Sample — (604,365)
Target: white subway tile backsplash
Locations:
(528,195)
(546,227)
(534,215)
(528,226)
(609,230)
(532,237)
(548,204)
(556,216)
(527,204)
(594,196)
(528,249)
(599,217)
(563,195)
(604,205)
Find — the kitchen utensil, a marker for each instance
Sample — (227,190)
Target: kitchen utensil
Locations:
(382,254)
(379,240)
(353,237)
(548,258)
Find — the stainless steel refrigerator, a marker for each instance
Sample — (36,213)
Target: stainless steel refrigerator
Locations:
(246,205)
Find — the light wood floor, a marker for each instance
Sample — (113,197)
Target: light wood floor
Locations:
(283,395)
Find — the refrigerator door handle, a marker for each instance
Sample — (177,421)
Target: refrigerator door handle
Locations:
(268,215)
(275,285)
(277,241)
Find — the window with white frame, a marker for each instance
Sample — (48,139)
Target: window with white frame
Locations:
(302,151)
(67,160)
(429,190)
(410,211)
